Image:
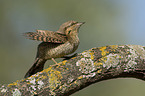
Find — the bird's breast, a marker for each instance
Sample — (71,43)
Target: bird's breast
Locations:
(63,49)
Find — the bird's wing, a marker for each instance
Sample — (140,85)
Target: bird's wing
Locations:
(46,36)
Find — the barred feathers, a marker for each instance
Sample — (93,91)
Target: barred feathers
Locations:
(46,36)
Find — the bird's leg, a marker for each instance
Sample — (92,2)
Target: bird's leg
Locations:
(54,61)
(68,57)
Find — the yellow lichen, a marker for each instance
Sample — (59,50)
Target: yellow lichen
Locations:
(92,55)
(54,77)
(80,77)
(53,81)
(41,77)
(104,51)
(28,83)
(13,84)
(60,87)
(48,69)
(73,57)
(104,59)
(64,62)
(98,63)
(44,77)
(75,82)
(58,74)
(99,71)
(114,46)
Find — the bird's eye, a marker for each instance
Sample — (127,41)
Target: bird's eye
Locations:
(69,31)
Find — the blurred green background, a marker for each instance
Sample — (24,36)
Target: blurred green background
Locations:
(108,22)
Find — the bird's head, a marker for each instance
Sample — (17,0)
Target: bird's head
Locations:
(70,27)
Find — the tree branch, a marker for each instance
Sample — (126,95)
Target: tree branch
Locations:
(90,66)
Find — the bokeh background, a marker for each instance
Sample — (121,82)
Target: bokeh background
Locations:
(108,22)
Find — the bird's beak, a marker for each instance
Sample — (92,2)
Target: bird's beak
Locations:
(80,23)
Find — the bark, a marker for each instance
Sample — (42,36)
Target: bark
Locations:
(90,66)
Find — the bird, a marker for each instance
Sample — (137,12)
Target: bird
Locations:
(55,44)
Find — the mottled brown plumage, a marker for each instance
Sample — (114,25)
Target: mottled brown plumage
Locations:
(47,36)
(55,44)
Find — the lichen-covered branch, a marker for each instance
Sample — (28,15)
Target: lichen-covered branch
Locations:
(88,67)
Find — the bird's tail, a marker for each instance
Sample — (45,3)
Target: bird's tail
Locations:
(37,67)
